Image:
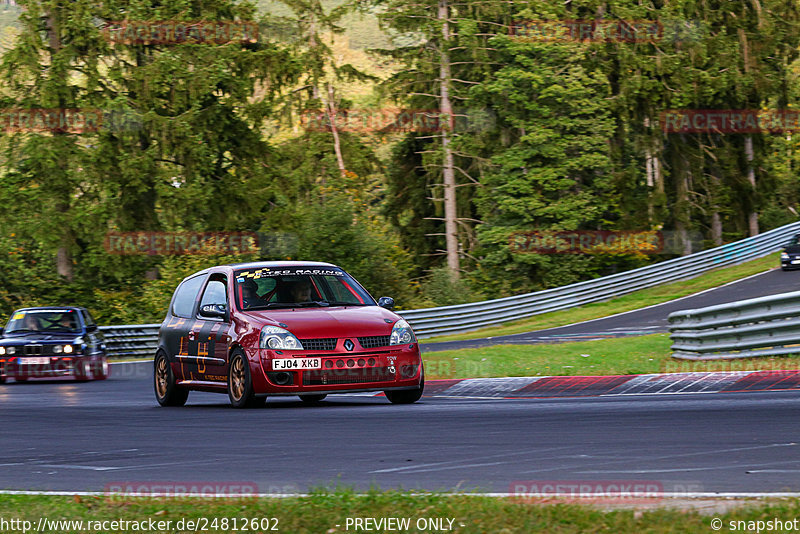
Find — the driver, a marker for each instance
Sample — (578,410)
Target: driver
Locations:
(67,322)
(301,291)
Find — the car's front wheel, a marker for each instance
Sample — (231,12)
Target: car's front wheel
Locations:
(168,393)
(406,396)
(240,383)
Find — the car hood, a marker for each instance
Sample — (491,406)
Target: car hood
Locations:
(792,249)
(336,321)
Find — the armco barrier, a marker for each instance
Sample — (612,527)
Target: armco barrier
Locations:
(765,326)
(464,317)
(135,340)
(131,340)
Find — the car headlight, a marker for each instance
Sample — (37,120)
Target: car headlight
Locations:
(68,349)
(401,333)
(10,350)
(784,255)
(2,351)
(57,349)
(273,337)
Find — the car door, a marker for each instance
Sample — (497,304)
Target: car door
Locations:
(175,330)
(209,334)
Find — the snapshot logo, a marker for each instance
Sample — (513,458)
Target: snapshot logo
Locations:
(181,243)
(67,120)
(599,491)
(388,120)
(730,121)
(774,367)
(447,368)
(176,489)
(619,31)
(178,32)
(586,242)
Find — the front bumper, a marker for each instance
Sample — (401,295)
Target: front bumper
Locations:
(27,367)
(384,368)
(790,263)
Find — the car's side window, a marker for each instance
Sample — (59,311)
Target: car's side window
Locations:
(88,319)
(185,297)
(215,293)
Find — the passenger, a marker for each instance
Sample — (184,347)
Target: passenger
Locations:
(31,323)
(250,298)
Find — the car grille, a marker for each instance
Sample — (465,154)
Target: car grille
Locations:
(37,350)
(347,376)
(370,342)
(325,343)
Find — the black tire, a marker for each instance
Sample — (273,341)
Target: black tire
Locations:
(240,383)
(168,393)
(82,371)
(2,380)
(313,399)
(406,396)
(100,370)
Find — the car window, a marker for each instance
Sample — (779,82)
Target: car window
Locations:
(88,319)
(285,286)
(43,320)
(214,294)
(185,296)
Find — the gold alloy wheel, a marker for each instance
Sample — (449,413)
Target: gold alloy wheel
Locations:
(161,377)
(237,379)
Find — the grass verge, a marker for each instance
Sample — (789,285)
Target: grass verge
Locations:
(329,513)
(617,356)
(632,301)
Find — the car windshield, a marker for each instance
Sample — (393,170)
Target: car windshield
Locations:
(43,321)
(291,287)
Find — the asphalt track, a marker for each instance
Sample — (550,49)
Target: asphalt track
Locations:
(68,436)
(61,435)
(644,321)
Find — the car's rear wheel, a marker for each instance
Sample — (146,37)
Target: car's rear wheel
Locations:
(240,383)
(313,399)
(406,396)
(82,371)
(168,393)
(100,371)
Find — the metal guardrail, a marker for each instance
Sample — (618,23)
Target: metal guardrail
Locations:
(140,340)
(764,326)
(131,340)
(464,317)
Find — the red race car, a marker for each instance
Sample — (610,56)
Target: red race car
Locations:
(283,328)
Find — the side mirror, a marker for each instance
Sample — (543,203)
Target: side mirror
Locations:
(216,311)
(386,302)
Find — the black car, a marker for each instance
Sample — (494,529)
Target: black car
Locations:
(50,342)
(790,255)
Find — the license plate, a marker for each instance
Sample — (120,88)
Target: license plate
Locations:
(34,361)
(296,363)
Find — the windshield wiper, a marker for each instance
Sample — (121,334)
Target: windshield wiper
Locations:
(21,330)
(343,303)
